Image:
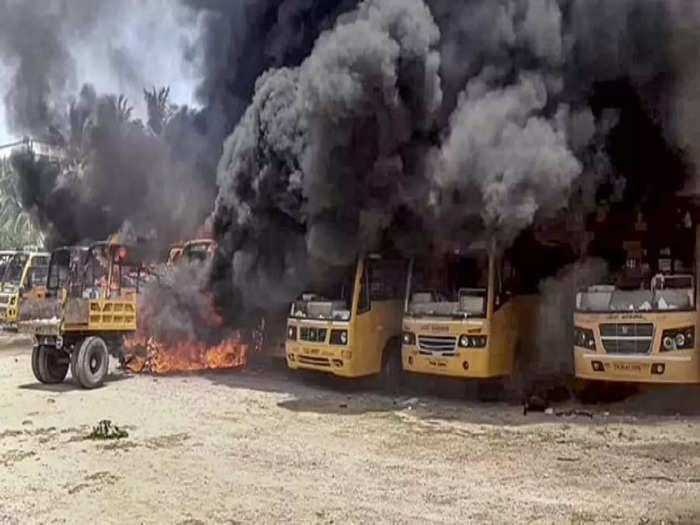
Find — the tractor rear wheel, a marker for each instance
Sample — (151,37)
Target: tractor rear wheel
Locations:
(49,364)
(91,362)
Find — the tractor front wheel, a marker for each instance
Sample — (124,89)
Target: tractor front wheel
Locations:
(90,362)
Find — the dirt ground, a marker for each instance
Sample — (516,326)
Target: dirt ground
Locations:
(268,446)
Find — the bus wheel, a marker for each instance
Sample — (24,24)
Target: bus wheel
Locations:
(91,362)
(392,371)
(49,365)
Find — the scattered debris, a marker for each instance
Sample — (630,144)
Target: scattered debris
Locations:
(106,430)
(534,404)
(574,412)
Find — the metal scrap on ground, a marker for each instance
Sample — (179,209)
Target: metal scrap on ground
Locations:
(106,430)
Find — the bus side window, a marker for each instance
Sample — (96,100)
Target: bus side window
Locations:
(387,280)
(505,281)
(363,305)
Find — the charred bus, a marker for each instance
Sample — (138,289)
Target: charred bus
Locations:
(24,279)
(197,250)
(465,315)
(638,323)
(354,328)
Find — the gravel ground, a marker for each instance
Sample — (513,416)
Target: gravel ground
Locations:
(268,446)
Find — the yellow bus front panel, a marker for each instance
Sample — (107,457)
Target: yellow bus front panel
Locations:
(629,347)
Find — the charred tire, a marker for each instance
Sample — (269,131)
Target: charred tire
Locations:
(392,370)
(91,362)
(49,365)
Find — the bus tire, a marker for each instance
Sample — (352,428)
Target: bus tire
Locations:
(392,370)
(49,365)
(91,362)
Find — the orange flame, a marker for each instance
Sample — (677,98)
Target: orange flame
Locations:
(149,354)
(187,356)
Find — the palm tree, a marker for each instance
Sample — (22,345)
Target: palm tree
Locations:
(159,109)
(17,225)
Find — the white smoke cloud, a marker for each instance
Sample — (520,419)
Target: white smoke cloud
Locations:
(506,156)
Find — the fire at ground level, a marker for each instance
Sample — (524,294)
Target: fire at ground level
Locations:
(264,445)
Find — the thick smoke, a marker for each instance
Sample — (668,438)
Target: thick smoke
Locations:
(311,172)
(417,121)
(504,158)
(159,176)
(551,355)
(118,170)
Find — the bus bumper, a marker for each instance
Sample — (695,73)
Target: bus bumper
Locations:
(474,364)
(335,360)
(653,368)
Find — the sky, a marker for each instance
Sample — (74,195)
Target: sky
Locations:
(111,55)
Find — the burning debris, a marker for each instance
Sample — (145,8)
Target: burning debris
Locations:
(153,356)
(178,329)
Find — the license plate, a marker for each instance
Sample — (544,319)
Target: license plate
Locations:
(632,368)
(439,363)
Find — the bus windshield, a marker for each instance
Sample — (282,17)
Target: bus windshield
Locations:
(449,286)
(14,270)
(39,275)
(327,302)
(650,268)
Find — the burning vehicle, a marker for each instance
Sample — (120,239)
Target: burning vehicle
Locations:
(464,315)
(178,328)
(24,279)
(353,330)
(91,307)
(174,252)
(198,250)
(639,324)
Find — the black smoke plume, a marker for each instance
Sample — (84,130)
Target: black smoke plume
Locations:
(417,121)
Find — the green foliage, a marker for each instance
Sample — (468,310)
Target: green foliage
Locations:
(17,226)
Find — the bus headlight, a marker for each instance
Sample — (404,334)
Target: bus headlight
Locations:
(339,337)
(678,339)
(409,338)
(292,333)
(472,341)
(583,337)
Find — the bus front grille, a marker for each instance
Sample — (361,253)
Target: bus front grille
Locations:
(309,360)
(313,335)
(437,343)
(627,338)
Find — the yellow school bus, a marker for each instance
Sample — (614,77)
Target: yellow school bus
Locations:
(464,315)
(24,278)
(638,324)
(352,329)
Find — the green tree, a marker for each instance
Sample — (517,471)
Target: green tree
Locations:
(17,225)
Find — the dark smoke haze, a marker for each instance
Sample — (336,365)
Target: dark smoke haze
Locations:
(437,120)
